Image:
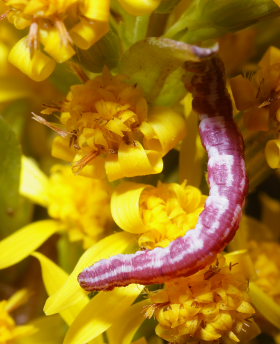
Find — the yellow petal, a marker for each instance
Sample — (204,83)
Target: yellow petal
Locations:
(125,207)
(100,313)
(123,330)
(265,304)
(98,9)
(67,295)
(54,278)
(85,34)
(19,245)
(38,67)
(133,160)
(169,126)
(60,149)
(139,7)
(18,299)
(33,182)
(54,46)
(97,340)
(272,153)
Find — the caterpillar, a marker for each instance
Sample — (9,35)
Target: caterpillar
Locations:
(228,182)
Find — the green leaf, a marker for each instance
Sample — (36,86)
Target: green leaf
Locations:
(11,205)
(205,20)
(106,52)
(155,65)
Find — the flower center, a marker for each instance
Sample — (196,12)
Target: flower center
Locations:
(168,212)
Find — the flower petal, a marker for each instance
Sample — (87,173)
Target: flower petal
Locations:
(133,160)
(54,278)
(85,34)
(54,46)
(97,10)
(33,182)
(272,153)
(125,207)
(169,126)
(100,313)
(123,330)
(38,67)
(265,305)
(69,293)
(19,245)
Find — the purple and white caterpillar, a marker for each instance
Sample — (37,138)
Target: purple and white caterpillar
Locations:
(228,187)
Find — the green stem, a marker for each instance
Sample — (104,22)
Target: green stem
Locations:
(140,28)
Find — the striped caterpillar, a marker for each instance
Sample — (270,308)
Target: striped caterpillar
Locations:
(228,187)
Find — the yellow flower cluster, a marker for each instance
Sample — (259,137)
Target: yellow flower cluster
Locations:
(265,256)
(109,130)
(207,306)
(9,330)
(81,204)
(59,26)
(258,97)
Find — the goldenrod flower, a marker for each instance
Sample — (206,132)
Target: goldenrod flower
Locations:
(10,332)
(81,204)
(265,256)
(158,214)
(264,252)
(78,206)
(258,97)
(207,306)
(110,130)
(59,26)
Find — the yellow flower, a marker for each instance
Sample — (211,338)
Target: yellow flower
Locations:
(207,306)
(265,256)
(108,129)
(158,214)
(59,26)
(10,332)
(264,284)
(258,97)
(79,206)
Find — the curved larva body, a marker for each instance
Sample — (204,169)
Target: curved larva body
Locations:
(219,220)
